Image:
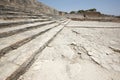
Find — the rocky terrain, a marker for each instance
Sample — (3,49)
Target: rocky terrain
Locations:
(84,50)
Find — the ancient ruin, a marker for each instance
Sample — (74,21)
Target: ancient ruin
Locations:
(38,42)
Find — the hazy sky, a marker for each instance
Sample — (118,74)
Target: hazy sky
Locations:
(104,6)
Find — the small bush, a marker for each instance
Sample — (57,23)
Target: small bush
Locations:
(72,12)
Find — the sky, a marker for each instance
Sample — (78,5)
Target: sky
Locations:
(111,7)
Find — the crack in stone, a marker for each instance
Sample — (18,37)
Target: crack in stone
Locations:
(75,32)
(114,49)
(80,50)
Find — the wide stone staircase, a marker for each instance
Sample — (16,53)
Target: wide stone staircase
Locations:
(22,37)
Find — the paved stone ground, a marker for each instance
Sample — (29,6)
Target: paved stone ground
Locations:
(80,52)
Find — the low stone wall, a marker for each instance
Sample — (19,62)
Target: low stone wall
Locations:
(92,16)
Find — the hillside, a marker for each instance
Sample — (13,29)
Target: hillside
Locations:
(27,5)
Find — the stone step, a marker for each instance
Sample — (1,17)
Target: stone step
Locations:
(16,62)
(4,8)
(5,32)
(11,17)
(7,23)
(12,13)
(13,42)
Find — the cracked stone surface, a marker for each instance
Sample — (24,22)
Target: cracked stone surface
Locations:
(80,54)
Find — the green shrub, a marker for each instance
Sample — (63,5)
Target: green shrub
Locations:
(72,12)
